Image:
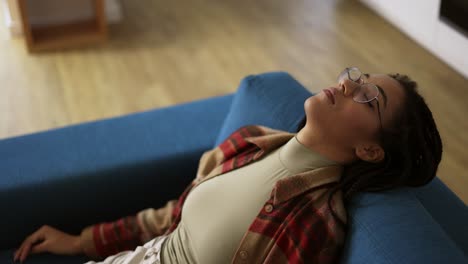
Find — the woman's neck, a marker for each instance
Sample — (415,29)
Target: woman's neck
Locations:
(326,146)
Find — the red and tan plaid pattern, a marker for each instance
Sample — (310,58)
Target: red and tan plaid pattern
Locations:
(300,229)
(295,225)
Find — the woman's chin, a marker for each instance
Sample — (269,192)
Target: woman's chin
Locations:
(309,103)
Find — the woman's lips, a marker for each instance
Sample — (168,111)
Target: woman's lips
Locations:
(330,95)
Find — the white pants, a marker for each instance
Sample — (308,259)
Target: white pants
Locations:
(149,253)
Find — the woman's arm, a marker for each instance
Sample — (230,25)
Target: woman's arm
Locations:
(103,239)
(106,239)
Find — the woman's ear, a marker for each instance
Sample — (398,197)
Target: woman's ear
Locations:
(370,152)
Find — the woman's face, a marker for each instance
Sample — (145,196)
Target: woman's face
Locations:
(335,115)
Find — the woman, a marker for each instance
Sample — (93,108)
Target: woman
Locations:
(368,133)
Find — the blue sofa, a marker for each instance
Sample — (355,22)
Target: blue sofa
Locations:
(99,171)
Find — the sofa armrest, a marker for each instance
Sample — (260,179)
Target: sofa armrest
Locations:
(99,171)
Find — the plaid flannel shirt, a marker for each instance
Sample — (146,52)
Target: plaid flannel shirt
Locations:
(294,226)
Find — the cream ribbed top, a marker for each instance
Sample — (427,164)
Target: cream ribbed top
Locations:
(218,212)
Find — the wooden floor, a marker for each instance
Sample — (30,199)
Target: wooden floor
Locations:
(168,52)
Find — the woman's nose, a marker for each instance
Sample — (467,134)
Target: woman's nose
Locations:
(348,87)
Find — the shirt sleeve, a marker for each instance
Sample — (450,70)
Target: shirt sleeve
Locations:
(105,239)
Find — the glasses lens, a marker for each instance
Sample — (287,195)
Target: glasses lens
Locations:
(354,74)
(365,93)
(343,75)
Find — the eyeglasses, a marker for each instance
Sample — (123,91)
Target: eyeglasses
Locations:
(365,92)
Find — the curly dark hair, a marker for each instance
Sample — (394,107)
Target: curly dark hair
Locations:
(412,145)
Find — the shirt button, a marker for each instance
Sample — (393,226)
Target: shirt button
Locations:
(150,253)
(243,254)
(268,208)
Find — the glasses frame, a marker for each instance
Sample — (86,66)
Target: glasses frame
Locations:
(346,74)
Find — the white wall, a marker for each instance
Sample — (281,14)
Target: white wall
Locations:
(419,19)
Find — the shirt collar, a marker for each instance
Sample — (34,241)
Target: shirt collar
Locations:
(298,184)
(298,158)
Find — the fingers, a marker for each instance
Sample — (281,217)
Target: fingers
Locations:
(22,253)
(28,243)
(19,252)
(39,248)
(25,252)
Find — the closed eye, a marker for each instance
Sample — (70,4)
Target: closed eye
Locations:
(368,103)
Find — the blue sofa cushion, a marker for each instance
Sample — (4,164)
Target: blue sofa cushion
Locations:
(274,100)
(447,209)
(394,227)
(100,171)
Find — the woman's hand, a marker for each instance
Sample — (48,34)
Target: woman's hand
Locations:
(49,239)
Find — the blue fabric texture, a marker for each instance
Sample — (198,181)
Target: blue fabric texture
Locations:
(84,174)
(100,171)
(394,227)
(274,100)
(447,209)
